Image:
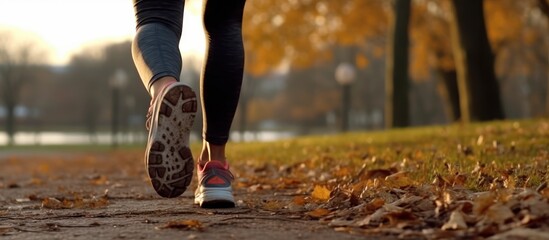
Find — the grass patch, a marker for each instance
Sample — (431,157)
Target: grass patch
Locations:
(518,150)
(500,149)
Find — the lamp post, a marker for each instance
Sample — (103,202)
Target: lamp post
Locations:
(117,82)
(345,75)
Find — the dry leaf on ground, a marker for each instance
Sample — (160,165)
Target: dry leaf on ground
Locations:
(455,222)
(318,213)
(78,202)
(185,224)
(321,193)
(521,233)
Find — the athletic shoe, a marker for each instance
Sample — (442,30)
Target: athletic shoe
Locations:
(214,186)
(168,158)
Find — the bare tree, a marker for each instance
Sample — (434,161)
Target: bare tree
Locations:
(19,57)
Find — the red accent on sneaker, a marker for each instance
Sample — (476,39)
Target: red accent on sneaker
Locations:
(215,180)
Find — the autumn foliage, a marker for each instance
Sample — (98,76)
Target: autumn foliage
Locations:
(320,34)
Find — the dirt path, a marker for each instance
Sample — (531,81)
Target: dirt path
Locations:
(106,196)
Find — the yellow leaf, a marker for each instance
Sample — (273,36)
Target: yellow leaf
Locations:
(321,193)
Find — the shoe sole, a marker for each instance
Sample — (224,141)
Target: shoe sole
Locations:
(168,158)
(215,198)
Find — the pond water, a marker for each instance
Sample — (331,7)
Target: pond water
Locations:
(103,138)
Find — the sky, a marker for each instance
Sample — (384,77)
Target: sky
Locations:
(64,26)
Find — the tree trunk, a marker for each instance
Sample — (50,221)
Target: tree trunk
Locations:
(478,87)
(10,123)
(9,94)
(448,90)
(544,7)
(396,82)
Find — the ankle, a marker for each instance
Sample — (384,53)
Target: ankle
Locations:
(212,152)
(160,84)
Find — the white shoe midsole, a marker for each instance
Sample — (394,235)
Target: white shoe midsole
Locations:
(213,194)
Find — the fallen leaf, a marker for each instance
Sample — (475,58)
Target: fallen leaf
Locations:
(456,221)
(299,200)
(321,193)
(483,202)
(399,179)
(400,217)
(378,173)
(440,181)
(375,204)
(44,168)
(407,200)
(272,205)
(94,202)
(318,213)
(372,219)
(545,193)
(100,180)
(521,233)
(498,213)
(339,222)
(35,181)
(52,203)
(186,224)
(459,180)
(343,171)
(537,205)
(292,207)
(5,229)
(392,208)
(33,197)
(425,205)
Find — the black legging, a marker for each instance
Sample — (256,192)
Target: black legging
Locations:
(156,54)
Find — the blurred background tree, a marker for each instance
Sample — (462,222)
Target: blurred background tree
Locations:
(396,83)
(477,84)
(420,70)
(21,61)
